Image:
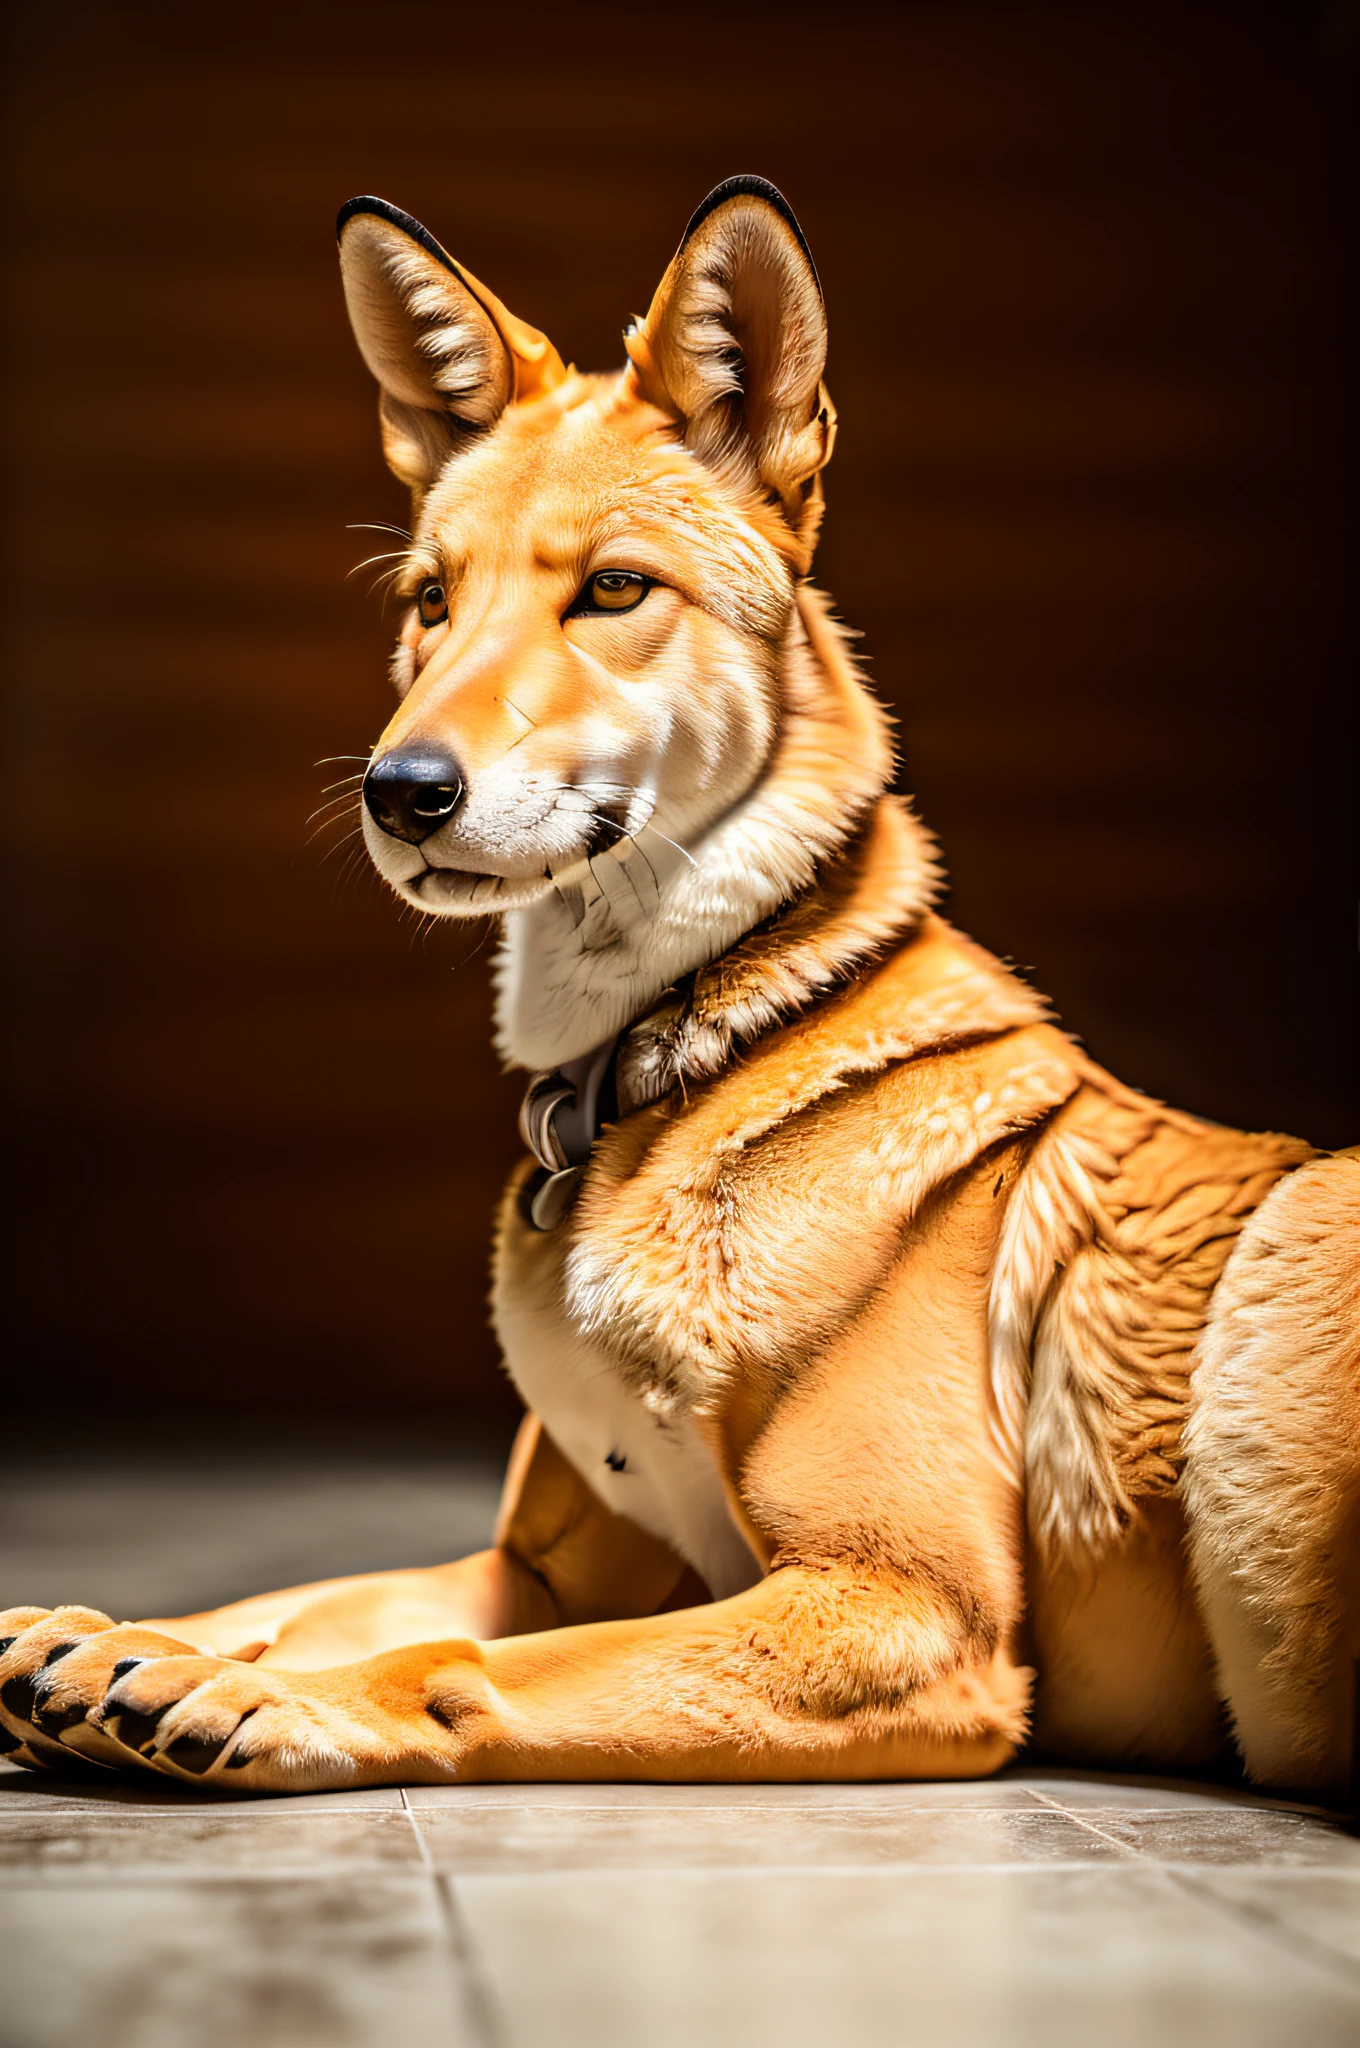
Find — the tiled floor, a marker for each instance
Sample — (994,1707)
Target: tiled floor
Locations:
(1039,1907)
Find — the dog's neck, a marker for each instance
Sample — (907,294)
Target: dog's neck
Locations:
(617,933)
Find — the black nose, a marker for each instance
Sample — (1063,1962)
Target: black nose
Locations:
(413,791)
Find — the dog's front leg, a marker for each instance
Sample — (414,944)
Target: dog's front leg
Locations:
(826,1670)
(560,1556)
(337,1621)
(820,1671)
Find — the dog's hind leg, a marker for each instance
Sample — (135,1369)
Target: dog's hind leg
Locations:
(1272,1477)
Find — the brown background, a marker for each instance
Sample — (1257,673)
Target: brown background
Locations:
(1091,506)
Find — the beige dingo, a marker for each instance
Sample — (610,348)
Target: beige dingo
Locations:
(901,1385)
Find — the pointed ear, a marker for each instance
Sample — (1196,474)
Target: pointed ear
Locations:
(735,344)
(448,356)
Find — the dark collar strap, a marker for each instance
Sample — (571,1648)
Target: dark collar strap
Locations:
(559,1120)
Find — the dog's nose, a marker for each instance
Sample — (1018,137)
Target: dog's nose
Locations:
(412,792)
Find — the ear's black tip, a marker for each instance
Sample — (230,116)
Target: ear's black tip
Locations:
(383,209)
(364,203)
(747,186)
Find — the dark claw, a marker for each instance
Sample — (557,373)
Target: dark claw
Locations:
(192,1754)
(125,1724)
(53,1719)
(19,1696)
(65,1763)
(133,1730)
(240,1757)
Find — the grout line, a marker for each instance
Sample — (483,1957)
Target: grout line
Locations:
(531,1869)
(1070,1813)
(477,1994)
(1294,1942)
(765,1810)
(574,1873)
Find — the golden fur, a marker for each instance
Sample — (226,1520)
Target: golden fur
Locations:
(899,1381)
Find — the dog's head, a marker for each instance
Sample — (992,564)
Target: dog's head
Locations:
(603,569)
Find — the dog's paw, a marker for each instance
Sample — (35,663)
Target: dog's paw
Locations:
(21,1744)
(234,1726)
(79,1692)
(56,1666)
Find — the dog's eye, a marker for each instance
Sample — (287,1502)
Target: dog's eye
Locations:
(432,602)
(613,590)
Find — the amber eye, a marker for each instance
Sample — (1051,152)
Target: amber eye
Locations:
(432,603)
(613,590)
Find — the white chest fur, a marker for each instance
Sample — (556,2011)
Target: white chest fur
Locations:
(660,1474)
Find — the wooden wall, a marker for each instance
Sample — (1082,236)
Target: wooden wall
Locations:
(1087,276)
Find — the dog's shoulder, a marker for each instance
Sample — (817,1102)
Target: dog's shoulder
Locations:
(739,1222)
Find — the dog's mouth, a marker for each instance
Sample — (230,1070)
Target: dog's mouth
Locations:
(444,888)
(439,881)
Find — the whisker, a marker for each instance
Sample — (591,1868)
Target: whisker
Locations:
(349,870)
(376,526)
(388,576)
(326,759)
(325,826)
(490,927)
(425,921)
(656,880)
(392,555)
(348,840)
(613,823)
(355,831)
(647,827)
(349,799)
(650,827)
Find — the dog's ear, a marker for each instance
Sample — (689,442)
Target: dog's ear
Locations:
(734,344)
(448,356)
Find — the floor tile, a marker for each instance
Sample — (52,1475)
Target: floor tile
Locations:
(1117,1954)
(130,1844)
(1299,1907)
(229,1965)
(967,1793)
(533,1839)
(1116,1789)
(22,1791)
(1264,1837)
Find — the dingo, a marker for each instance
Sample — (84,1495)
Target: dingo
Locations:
(881,1350)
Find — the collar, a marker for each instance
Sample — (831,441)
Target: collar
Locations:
(868,898)
(559,1120)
